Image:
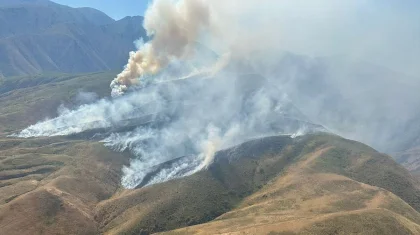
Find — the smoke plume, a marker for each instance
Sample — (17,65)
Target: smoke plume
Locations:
(216,73)
(190,119)
(174,28)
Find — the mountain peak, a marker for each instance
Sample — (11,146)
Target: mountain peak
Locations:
(33,33)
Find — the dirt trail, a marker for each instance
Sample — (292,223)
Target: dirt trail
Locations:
(377,201)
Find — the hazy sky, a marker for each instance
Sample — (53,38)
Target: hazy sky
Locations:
(117,9)
(385,32)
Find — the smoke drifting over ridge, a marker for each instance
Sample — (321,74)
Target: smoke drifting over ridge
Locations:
(215,74)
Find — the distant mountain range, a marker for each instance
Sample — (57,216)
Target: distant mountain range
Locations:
(39,36)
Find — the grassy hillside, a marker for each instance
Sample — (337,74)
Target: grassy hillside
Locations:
(314,196)
(317,184)
(51,186)
(271,181)
(25,100)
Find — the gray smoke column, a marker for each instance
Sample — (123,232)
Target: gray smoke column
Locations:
(174,29)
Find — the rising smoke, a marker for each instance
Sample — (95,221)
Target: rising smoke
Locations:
(190,118)
(215,74)
(174,29)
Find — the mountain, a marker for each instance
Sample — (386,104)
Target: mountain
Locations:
(8,3)
(316,184)
(42,36)
(27,17)
(331,188)
(54,57)
(313,184)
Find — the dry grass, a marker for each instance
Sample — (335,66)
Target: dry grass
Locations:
(60,200)
(304,200)
(317,184)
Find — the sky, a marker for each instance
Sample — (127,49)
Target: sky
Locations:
(116,9)
(385,32)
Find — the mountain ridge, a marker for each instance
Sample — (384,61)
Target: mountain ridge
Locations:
(41,37)
(274,185)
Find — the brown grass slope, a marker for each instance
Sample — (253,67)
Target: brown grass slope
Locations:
(326,192)
(318,184)
(51,186)
(269,181)
(195,199)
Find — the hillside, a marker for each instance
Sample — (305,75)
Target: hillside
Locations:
(42,36)
(57,184)
(271,182)
(318,184)
(54,58)
(332,190)
(24,100)
(315,184)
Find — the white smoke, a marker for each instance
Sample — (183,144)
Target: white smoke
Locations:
(101,114)
(214,74)
(188,118)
